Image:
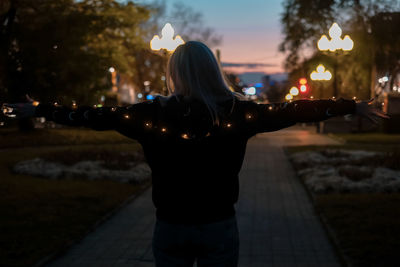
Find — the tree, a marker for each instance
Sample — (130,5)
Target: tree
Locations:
(63,49)
(188,23)
(387,39)
(304,21)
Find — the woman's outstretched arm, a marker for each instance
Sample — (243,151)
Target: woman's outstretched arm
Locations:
(272,117)
(126,120)
(100,119)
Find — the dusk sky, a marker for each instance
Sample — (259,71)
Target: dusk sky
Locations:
(250,29)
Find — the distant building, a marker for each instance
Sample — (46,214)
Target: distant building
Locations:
(126,90)
(123,91)
(266,80)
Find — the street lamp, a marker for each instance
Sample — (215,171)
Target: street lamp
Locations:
(334,44)
(289,97)
(294,91)
(113,72)
(321,74)
(167,40)
(167,43)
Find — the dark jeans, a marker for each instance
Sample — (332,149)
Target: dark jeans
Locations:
(213,244)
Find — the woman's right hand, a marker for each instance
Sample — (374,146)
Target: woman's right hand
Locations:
(20,110)
(366,110)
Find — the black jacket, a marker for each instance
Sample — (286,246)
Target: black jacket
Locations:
(195,164)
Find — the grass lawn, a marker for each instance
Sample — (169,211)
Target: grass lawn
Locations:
(41,216)
(369,138)
(366,226)
(11,137)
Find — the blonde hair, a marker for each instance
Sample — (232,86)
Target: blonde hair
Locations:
(194,71)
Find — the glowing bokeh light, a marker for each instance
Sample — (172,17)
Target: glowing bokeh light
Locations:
(167,40)
(303,81)
(250,91)
(336,42)
(288,97)
(321,74)
(294,91)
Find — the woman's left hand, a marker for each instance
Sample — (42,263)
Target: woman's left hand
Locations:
(366,110)
(20,110)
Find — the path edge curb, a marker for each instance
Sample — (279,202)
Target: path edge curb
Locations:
(343,259)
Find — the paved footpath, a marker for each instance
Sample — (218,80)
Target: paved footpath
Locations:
(277,223)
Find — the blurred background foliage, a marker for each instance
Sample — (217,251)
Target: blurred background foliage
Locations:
(61,50)
(368,22)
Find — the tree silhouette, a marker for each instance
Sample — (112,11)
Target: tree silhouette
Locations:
(63,49)
(304,21)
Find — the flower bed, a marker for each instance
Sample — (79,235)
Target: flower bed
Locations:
(347,171)
(354,189)
(123,167)
(42,216)
(91,170)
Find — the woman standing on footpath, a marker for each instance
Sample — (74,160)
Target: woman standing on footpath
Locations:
(194,141)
